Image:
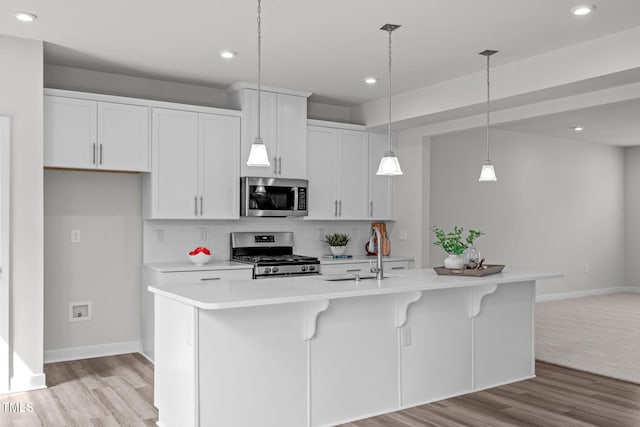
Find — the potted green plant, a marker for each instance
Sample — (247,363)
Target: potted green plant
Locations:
(337,242)
(453,244)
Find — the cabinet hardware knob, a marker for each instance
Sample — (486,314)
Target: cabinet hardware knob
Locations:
(94,153)
(204,279)
(280,165)
(200,205)
(195,205)
(340,208)
(335,212)
(100,153)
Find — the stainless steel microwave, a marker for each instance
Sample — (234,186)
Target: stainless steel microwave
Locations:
(273,196)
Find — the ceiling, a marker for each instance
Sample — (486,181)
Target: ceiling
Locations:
(326,47)
(612,124)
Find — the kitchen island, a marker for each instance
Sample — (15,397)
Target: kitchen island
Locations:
(311,352)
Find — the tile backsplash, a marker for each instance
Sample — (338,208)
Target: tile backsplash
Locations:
(171,240)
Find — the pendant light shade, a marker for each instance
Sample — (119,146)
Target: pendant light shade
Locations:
(258,155)
(488,172)
(389,164)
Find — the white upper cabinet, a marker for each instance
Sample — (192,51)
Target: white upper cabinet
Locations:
(283,128)
(337,167)
(219,186)
(195,171)
(380,187)
(87,134)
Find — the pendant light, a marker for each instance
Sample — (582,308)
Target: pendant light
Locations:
(389,164)
(258,155)
(488,173)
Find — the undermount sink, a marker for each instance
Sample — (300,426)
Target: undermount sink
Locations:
(345,277)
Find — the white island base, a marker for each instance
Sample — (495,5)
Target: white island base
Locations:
(307,352)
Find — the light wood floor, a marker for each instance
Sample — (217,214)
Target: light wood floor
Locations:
(100,392)
(118,391)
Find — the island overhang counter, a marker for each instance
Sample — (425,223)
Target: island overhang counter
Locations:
(310,352)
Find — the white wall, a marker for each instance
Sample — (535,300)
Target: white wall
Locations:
(632,214)
(411,196)
(557,206)
(59,77)
(21,100)
(179,237)
(103,268)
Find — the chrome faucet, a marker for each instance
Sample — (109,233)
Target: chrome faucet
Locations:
(378,269)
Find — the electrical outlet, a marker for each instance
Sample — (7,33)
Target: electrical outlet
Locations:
(402,234)
(405,336)
(160,235)
(321,234)
(587,268)
(79,311)
(75,236)
(203,234)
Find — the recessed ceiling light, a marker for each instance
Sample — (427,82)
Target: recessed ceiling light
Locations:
(583,9)
(371,80)
(228,54)
(577,128)
(25,16)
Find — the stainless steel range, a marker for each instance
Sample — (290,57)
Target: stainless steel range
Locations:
(271,254)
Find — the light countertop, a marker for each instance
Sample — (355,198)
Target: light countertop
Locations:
(250,293)
(174,267)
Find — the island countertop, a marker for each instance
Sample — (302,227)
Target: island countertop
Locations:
(221,295)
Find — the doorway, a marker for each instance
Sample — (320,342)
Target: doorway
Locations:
(5,239)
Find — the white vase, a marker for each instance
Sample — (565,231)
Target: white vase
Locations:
(454,262)
(338,250)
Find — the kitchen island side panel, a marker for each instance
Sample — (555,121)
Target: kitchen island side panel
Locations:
(504,336)
(253,367)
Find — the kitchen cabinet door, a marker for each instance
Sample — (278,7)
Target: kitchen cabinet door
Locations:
(292,136)
(123,137)
(380,187)
(70,133)
(323,171)
(268,107)
(174,179)
(219,186)
(353,181)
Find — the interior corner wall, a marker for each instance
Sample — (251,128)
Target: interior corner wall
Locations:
(411,196)
(21,77)
(632,215)
(558,205)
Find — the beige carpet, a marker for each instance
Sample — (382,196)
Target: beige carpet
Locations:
(599,334)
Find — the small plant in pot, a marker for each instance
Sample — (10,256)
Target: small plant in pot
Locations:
(452,243)
(337,242)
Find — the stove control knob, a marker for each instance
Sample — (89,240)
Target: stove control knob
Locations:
(312,267)
(267,270)
(275,269)
(304,268)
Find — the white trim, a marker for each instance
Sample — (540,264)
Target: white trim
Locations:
(140,101)
(587,293)
(254,86)
(75,353)
(335,125)
(5,254)
(28,383)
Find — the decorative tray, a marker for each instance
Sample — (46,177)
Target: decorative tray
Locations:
(490,269)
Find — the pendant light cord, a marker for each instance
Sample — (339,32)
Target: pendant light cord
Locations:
(488,104)
(259,61)
(389,125)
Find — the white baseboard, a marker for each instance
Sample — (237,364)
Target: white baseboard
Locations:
(28,383)
(75,353)
(587,293)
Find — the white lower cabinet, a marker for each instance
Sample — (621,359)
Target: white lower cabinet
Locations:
(337,168)
(195,165)
(159,275)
